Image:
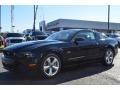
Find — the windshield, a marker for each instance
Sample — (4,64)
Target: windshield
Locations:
(14,35)
(62,35)
(36,33)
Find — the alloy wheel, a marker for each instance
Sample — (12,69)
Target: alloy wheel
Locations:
(51,66)
(109,56)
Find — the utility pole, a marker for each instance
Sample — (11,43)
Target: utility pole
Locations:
(35,14)
(34,20)
(0,19)
(109,19)
(12,18)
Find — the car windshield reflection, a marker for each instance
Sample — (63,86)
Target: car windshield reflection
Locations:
(61,36)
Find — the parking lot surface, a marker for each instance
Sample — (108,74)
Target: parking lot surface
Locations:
(89,74)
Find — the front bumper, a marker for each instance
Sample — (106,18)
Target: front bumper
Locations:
(8,44)
(20,65)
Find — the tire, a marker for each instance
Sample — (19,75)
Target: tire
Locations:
(118,44)
(50,66)
(108,57)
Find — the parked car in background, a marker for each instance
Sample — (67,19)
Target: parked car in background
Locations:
(65,47)
(1,42)
(13,38)
(37,35)
(116,36)
(26,36)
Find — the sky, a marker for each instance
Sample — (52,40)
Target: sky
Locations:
(23,15)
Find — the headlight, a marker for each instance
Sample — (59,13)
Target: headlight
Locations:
(23,40)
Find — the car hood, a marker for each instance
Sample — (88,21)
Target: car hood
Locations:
(29,45)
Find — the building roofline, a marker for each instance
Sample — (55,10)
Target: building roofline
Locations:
(60,19)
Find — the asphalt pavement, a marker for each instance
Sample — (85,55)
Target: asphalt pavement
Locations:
(89,74)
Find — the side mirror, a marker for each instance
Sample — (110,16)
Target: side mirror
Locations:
(78,40)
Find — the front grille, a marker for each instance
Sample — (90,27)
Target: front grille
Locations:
(16,40)
(11,66)
(8,54)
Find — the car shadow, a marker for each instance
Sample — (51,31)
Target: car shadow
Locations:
(67,74)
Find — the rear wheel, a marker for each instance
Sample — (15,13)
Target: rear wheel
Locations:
(50,66)
(108,57)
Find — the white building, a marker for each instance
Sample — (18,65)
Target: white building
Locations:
(63,24)
(42,26)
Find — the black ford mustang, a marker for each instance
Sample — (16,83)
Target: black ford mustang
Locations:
(49,55)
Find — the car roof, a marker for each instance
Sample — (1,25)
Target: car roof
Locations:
(77,30)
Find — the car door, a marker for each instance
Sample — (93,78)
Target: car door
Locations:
(87,47)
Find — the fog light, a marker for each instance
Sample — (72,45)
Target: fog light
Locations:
(32,65)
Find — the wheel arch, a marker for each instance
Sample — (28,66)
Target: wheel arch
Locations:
(54,51)
(111,47)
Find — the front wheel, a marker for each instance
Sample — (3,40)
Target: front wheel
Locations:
(50,66)
(108,57)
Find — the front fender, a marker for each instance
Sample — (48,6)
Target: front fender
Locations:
(56,51)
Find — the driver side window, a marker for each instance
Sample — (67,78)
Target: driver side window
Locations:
(85,35)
